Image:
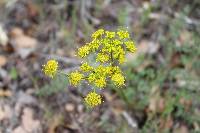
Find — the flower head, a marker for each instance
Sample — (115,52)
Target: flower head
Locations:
(85,67)
(118,79)
(100,82)
(94,45)
(84,51)
(110,34)
(98,33)
(123,34)
(75,78)
(102,57)
(50,68)
(93,99)
(130,45)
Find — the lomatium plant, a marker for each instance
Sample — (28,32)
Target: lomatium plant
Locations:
(109,49)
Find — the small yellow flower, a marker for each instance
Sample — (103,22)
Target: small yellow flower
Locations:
(101,82)
(75,78)
(116,69)
(85,67)
(123,34)
(98,33)
(118,51)
(110,34)
(116,42)
(130,45)
(84,51)
(91,77)
(50,68)
(121,58)
(118,79)
(93,99)
(102,57)
(94,45)
(109,70)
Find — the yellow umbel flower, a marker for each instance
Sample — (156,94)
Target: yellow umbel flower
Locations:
(101,82)
(94,45)
(84,51)
(130,45)
(121,58)
(116,42)
(118,79)
(91,77)
(102,57)
(123,34)
(110,34)
(75,78)
(93,99)
(116,69)
(85,67)
(50,68)
(97,33)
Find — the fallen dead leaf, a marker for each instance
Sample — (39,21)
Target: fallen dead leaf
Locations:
(169,122)
(28,123)
(56,121)
(5,93)
(154,100)
(15,32)
(5,112)
(23,44)
(19,130)
(181,129)
(147,46)
(184,37)
(3,60)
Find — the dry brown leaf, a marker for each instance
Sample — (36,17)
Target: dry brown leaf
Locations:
(169,122)
(24,45)
(181,129)
(161,105)
(3,60)
(147,46)
(56,121)
(25,42)
(5,112)
(5,93)
(28,123)
(15,32)
(19,130)
(184,37)
(154,99)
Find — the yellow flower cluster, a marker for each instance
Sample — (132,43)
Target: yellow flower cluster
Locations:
(75,78)
(110,49)
(118,79)
(93,99)
(130,45)
(50,68)
(101,57)
(85,67)
(123,34)
(83,51)
(109,45)
(97,33)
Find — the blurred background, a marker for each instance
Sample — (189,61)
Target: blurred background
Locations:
(162,92)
